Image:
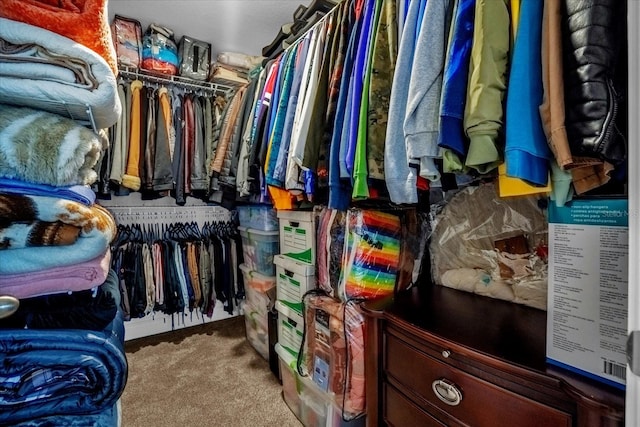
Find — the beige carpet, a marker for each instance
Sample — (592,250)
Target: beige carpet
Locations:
(204,376)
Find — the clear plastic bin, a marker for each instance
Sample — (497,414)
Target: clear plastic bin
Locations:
(257,329)
(258,248)
(289,378)
(259,217)
(260,290)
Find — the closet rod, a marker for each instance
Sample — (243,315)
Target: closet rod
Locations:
(136,73)
(313,27)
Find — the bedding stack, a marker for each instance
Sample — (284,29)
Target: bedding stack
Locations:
(61,327)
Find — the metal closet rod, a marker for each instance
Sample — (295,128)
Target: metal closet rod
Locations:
(313,27)
(136,73)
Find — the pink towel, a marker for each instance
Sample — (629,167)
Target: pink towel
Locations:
(76,277)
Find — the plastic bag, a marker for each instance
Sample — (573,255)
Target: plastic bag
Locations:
(333,351)
(159,50)
(491,246)
(195,58)
(371,255)
(127,39)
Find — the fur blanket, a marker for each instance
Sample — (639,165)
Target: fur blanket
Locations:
(46,71)
(97,227)
(45,148)
(83,21)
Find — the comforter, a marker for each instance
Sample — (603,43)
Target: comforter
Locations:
(109,417)
(50,72)
(48,373)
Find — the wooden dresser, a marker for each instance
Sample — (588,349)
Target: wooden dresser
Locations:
(440,357)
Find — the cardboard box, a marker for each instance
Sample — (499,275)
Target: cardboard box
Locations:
(290,328)
(587,296)
(298,235)
(293,280)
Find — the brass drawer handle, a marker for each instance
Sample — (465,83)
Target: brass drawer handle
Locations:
(447,391)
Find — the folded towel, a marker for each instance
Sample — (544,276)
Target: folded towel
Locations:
(84,21)
(97,226)
(46,71)
(45,148)
(55,280)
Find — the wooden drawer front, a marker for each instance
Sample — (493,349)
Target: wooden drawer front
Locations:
(482,404)
(401,412)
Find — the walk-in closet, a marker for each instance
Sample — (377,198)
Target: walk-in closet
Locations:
(319,213)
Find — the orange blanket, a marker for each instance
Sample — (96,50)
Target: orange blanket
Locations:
(84,21)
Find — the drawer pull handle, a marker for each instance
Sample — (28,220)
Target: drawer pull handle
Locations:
(447,391)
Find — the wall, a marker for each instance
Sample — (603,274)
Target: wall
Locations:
(229,25)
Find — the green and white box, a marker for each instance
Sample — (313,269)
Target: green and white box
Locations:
(588,281)
(293,280)
(290,328)
(298,235)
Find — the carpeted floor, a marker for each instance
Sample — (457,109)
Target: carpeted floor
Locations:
(204,376)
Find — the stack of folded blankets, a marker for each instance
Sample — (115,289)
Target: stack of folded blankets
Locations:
(62,359)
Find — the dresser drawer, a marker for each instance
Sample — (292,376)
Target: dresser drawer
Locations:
(480,403)
(400,411)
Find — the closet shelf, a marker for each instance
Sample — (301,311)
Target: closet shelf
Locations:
(183,82)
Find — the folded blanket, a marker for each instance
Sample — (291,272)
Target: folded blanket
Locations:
(37,233)
(46,148)
(68,372)
(97,226)
(91,309)
(84,21)
(78,193)
(70,278)
(46,71)
(111,417)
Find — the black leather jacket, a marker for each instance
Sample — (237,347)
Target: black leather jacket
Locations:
(593,32)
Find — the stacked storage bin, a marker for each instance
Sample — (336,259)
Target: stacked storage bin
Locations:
(295,275)
(260,243)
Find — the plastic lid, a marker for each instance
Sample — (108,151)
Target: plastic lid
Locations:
(288,358)
(295,215)
(246,231)
(258,281)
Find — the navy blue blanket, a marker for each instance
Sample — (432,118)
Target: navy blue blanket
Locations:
(110,417)
(45,373)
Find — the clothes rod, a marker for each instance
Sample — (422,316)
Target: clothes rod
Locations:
(136,73)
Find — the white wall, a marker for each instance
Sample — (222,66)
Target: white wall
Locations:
(229,25)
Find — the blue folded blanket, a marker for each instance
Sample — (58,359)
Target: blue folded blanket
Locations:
(110,417)
(47,373)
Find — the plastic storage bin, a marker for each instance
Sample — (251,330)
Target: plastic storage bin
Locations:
(336,420)
(293,279)
(290,328)
(298,235)
(259,248)
(256,325)
(315,404)
(260,290)
(289,378)
(260,217)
